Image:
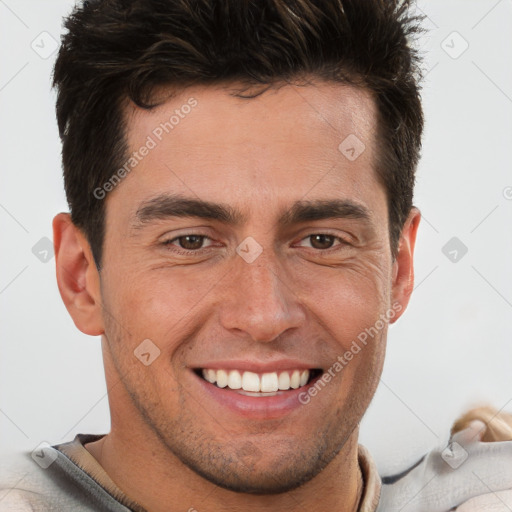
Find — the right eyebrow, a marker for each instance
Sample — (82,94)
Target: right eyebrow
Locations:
(165,206)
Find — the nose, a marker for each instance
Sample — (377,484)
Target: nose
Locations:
(259,301)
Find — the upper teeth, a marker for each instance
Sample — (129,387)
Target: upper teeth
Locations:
(249,381)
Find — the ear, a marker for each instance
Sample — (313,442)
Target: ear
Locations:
(403,266)
(77,276)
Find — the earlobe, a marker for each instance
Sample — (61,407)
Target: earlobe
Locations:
(77,276)
(403,267)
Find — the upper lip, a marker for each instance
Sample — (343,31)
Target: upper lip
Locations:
(256,366)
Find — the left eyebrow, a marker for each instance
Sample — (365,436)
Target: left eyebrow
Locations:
(304,211)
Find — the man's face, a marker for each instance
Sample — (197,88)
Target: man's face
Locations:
(197,287)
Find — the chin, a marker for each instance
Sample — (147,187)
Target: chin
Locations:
(261,470)
(269,482)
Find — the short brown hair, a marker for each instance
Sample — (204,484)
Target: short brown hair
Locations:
(124,49)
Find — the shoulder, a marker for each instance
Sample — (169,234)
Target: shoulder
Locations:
(47,480)
(466,475)
(23,487)
(500,501)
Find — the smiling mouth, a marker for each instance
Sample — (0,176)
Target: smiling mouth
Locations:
(259,384)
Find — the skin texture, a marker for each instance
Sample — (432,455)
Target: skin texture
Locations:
(298,300)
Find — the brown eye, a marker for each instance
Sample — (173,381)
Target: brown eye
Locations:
(191,242)
(188,243)
(322,241)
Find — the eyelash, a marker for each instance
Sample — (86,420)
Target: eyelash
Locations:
(167,243)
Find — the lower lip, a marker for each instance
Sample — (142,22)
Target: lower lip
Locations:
(264,407)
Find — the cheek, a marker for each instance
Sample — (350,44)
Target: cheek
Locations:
(152,294)
(165,305)
(352,306)
(347,299)
(141,326)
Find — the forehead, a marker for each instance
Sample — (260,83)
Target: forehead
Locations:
(289,143)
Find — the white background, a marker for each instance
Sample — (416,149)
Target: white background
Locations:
(452,348)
